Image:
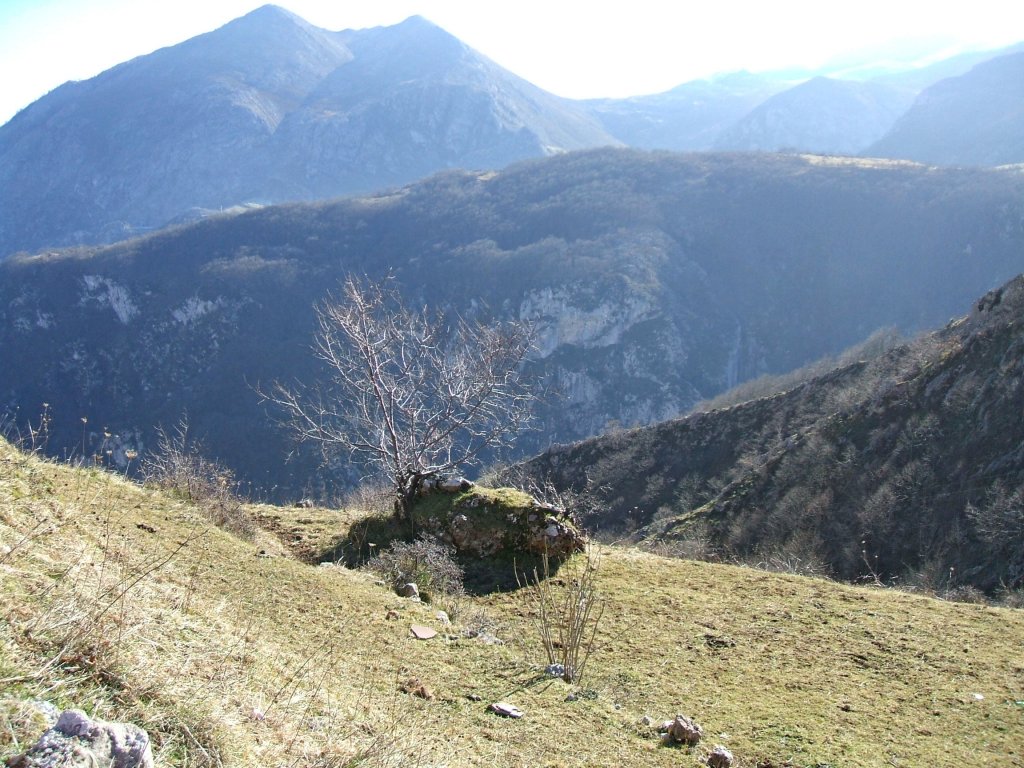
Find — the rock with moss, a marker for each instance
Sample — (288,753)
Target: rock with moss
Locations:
(77,740)
(484,522)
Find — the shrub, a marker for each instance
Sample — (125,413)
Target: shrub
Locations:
(566,614)
(429,564)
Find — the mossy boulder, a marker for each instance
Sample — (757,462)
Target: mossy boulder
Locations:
(488,522)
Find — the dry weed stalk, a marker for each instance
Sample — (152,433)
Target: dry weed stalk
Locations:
(567,619)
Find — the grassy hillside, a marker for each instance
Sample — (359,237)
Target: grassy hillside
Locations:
(126,602)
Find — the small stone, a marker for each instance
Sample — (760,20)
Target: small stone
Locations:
(391,615)
(442,617)
(454,485)
(683,730)
(77,739)
(720,757)
(474,697)
(506,710)
(421,632)
(646,721)
(555,670)
(408,590)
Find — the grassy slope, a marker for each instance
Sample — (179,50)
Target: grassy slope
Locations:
(778,668)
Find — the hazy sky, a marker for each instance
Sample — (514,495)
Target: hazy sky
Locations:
(572,48)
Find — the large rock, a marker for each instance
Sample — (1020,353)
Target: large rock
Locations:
(683,730)
(485,522)
(78,741)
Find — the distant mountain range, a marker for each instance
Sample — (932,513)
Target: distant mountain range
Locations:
(269,108)
(265,109)
(974,119)
(655,280)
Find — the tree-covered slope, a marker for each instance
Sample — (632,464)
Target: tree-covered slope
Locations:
(654,280)
(909,465)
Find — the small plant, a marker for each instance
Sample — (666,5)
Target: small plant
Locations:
(428,564)
(567,616)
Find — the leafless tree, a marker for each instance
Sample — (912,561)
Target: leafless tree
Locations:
(409,394)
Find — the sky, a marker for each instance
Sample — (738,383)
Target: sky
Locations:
(574,48)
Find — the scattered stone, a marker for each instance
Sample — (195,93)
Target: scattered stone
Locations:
(571,697)
(683,730)
(304,504)
(258,715)
(454,485)
(408,590)
(719,641)
(442,617)
(555,670)
(421,632)
(484,637)
(416,687)
(78,741)
(391,615)
(977,697)
(506,710)
(646,721)
(146,528)
(720,757)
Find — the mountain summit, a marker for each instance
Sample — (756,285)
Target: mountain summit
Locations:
(266,108)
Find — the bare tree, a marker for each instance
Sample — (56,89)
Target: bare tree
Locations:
(409,394)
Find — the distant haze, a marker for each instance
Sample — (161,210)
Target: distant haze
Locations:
(573,49)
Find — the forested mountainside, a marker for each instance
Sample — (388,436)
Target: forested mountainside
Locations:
(654,280)
(907,466)
(974,119)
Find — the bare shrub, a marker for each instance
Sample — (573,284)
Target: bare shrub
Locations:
(964,593)
(690,547)
(792,561)
(1011,598)
(178,465)
(429,564)
(566,614)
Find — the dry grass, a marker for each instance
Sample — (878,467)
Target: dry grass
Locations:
(127,602)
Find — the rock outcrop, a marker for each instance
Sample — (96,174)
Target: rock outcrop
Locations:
(483,523)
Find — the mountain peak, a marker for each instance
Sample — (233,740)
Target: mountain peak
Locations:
(270,14)
(268,20)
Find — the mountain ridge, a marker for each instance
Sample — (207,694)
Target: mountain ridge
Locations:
(235,116)
(656,280)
